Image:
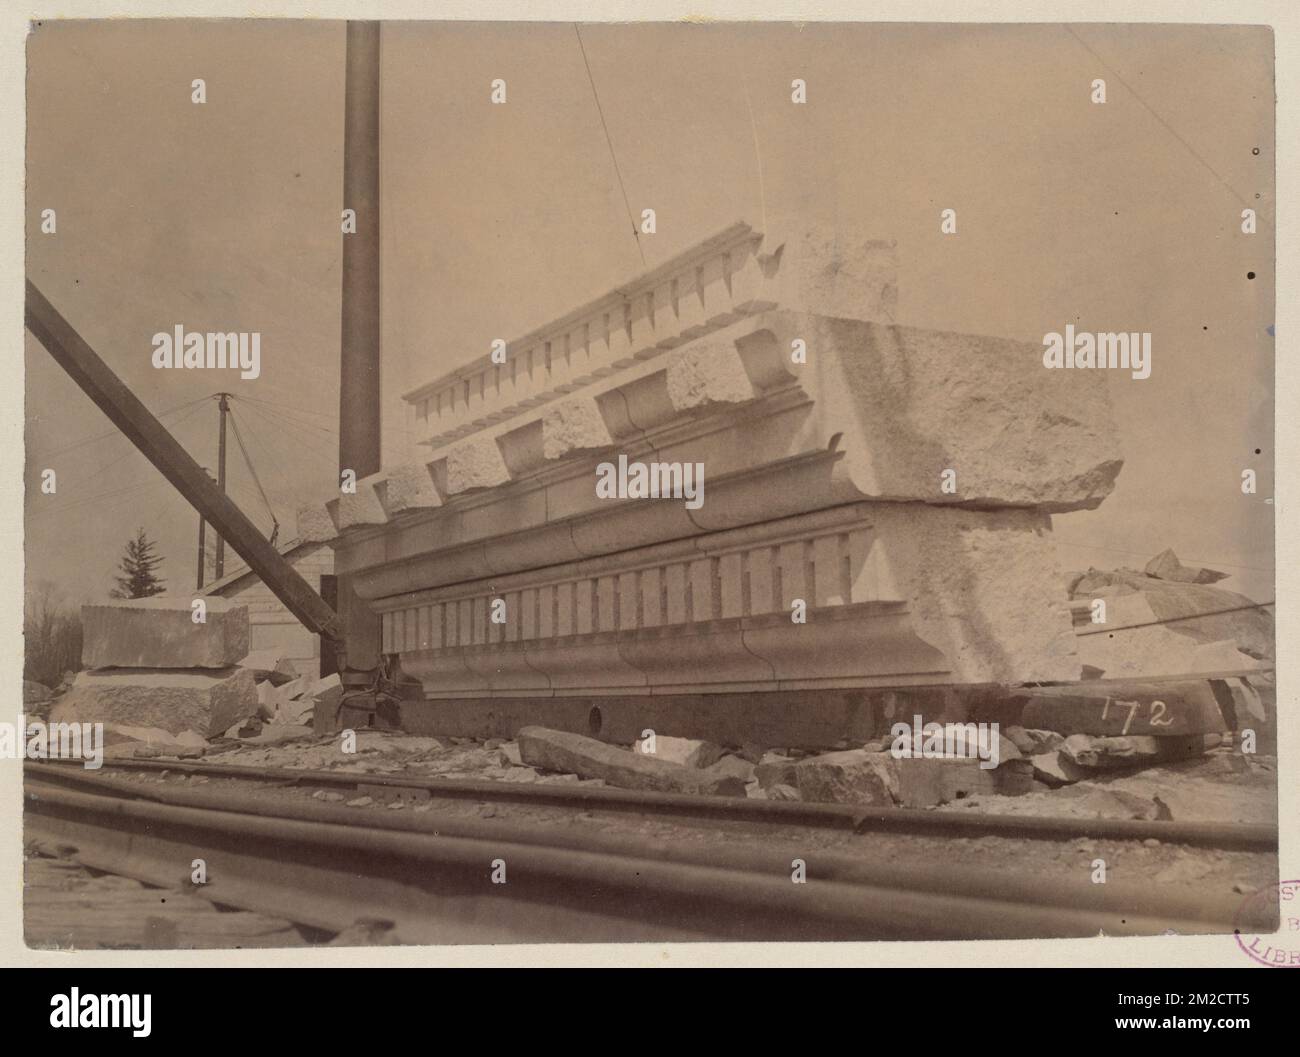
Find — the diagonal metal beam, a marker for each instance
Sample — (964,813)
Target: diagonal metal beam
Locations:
(97,380)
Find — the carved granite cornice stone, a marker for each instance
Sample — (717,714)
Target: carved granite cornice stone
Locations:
(896,480)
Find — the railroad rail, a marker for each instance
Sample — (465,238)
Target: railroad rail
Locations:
(855,818)
(443,879)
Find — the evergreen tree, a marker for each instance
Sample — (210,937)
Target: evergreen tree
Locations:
(138,566)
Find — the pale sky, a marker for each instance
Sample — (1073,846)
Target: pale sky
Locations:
(225,216)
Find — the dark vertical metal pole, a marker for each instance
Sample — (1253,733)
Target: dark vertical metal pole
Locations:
(359,403)
(224,404)
(202,547)
(359,377)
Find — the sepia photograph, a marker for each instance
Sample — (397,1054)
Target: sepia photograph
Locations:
(594,482)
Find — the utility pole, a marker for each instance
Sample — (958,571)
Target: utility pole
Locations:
(223,403)
(203,557)
(203,543)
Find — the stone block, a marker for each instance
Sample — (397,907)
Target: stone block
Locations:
(1015,778)
(572,427)
(407,488)
(909,403)
(1125,707)
(851,777)
(161,633)
(206,702)
(831,270)
(733,766)
(707,373)
(361,508)
(555,750)
(928,783)
(320,702)
(475,463)
(983,587)
(315,525)
(775,769)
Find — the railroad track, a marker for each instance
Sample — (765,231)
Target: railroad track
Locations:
(854,818)
(443,879)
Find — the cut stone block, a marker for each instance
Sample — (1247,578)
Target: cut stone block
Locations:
(570,427)
(475,463)
(826,485)
(556,750)
(155,737)
(831,270)
(909,403)
(361,508)
(206,702)
(928,783)
(408,487)
(329,689)
(1126,707)
(315,525)
(982,588)
(708,373)
(852,777)
(319,705)
(1015,778)
(161,633)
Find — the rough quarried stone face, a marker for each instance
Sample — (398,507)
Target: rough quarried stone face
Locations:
(173,701)
(876,498)
(163,633)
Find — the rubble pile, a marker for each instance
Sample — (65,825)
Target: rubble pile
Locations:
(1039,771)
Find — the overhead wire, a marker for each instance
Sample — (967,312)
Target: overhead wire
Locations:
(636,235)
(112,433)
(252,471)
(56,508)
